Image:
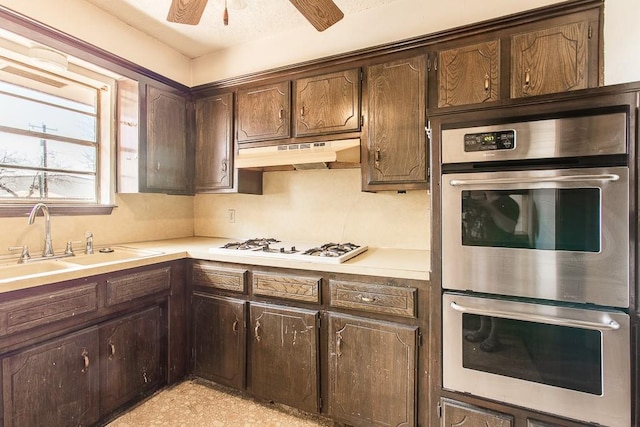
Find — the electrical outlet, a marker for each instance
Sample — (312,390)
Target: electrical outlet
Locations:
(231,215)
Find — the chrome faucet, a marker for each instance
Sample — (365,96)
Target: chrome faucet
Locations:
(88,249)
(47,251)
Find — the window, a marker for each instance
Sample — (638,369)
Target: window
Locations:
(55,127)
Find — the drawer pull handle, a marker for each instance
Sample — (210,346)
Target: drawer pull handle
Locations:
(338,344)
(368,299)
(256,332)
(527,79)
(234,327)
(486,83)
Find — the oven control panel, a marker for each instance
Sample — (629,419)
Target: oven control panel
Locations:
(490,141)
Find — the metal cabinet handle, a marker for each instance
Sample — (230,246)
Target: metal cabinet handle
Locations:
(256,332)
(224,166)
(527,79)
(281,113)
(302,111)
(368,299)
(112,349)
(234,327)
(338,344)
(487,84)
(376,156)
(85,360)
(157,166)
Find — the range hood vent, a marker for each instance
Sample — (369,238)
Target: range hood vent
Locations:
(308,155)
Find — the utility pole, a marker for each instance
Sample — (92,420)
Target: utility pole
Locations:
(43,182)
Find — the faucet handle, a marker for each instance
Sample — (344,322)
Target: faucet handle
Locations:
(24,256)
(69,249)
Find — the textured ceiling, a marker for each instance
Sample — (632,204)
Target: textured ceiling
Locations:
(260,19)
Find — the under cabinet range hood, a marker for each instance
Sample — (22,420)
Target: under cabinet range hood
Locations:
(308,155)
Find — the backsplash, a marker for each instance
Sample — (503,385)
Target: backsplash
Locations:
(318,206)
(137,217)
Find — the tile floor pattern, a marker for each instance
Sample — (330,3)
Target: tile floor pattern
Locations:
(199,403)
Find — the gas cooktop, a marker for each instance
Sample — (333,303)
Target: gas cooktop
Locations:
(332,253)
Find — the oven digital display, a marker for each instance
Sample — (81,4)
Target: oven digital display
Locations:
(490,141)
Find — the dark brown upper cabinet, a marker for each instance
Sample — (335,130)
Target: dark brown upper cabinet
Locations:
(328,103)
(166,152)
(394,144)
(264,113)
(554,59)
(469,74)
(214,143)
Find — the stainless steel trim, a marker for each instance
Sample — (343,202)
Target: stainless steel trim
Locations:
(610,325)
(612,408)
(567,178)
(543,139)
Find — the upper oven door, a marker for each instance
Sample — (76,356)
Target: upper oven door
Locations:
(552,234)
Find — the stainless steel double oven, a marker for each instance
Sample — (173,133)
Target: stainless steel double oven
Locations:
(536,262)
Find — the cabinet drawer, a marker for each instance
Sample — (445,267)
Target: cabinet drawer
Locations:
(228,279)
(288,287)
(26,313)
(374,298)
(136,285)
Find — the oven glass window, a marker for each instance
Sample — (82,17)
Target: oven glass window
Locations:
(558,356)
(565,219)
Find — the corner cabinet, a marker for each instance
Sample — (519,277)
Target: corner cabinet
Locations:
(395,147)
(264,113)
(329,103)
(166,148)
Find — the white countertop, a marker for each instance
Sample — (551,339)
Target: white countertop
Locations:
(383,262)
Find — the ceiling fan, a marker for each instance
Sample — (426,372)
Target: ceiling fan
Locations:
(320,13)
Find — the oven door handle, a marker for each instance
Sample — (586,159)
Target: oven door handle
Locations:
(583,324)
(560,179)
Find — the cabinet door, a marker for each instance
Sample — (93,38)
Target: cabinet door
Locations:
(219,339)
(283,355)
(130,357)
(264,113)
(457,414)
(469,74)
(54,384)
(328,103)
(214,143)
(372,372)
(550,60)
(396,138)
(166,142)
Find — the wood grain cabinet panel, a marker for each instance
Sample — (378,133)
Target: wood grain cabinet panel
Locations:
(550,60)
(328,103)
(283,355)
(219,339)
(288,287)
(223,278)
(469,74)
(130,358)
(125,288)
(167,169)
(214,143)
(53,384)
(372,372)
(396,147)
(264,113)
(373,298)
(458,414)
(26,313)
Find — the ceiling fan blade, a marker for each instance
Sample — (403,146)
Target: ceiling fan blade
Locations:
(320,13)
(186,11)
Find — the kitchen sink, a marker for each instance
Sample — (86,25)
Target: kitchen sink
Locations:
(13,270)
(112,254)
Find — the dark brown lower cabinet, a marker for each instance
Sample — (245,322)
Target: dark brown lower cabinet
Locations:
(458,414)
(130,357)
(53,384)
(283,355)
(372,371)
(219,339)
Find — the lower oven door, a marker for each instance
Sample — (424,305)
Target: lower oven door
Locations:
(566,361)
(559,234)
